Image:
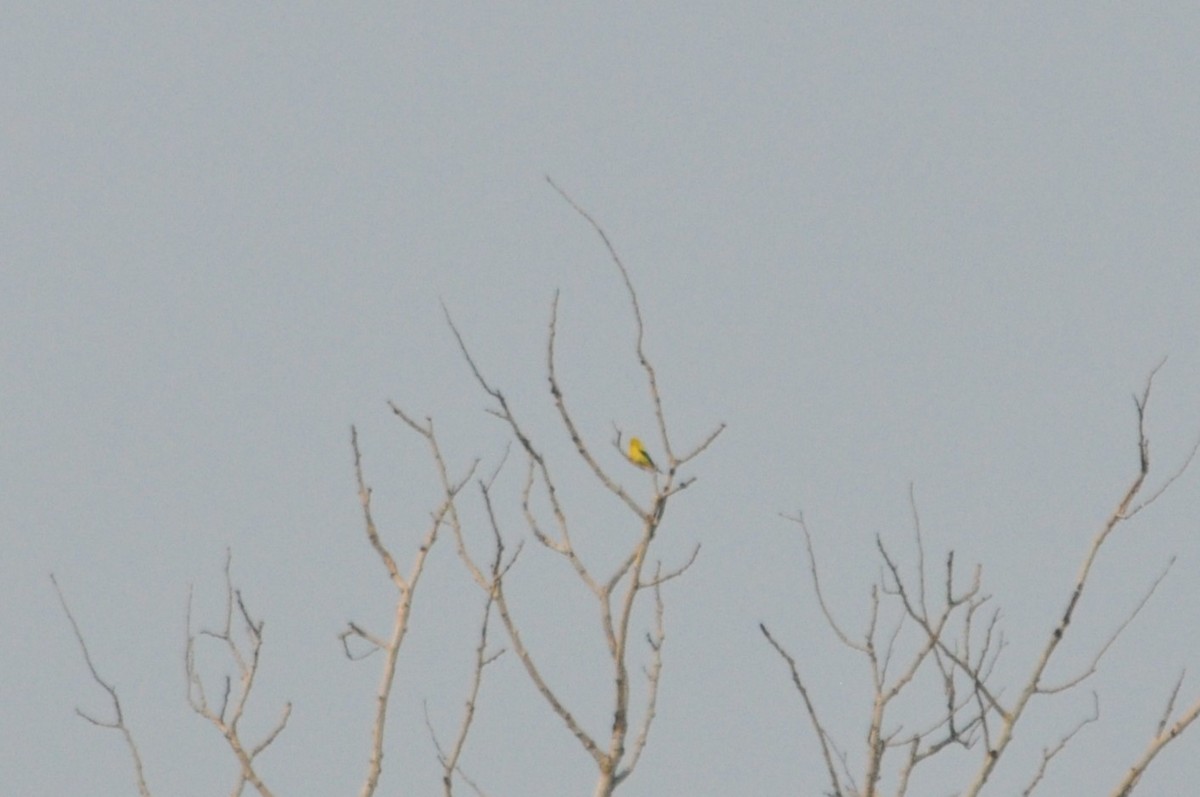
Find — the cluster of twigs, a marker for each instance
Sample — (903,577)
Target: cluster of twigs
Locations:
(956,637)
(243,652)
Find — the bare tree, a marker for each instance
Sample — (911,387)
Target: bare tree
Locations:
(952,634)
(617,593)
(637,580)
(928,626)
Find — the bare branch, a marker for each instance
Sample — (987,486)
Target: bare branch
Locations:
(822,734)
(441,753)
(1160,740)
(118,721)
(961,640)
(405,587)
(1095,662)
(655,639)
(246,663)
(364,497)
(662,578)
(700,447)
(354,630)
(569,422)
(496,589)
(1144,446)
(564,545)
(1033,684)
(617,595)
(1048,753)
(935,629)
(537,464)
(816,579)
(1170,707)
(916,523)
(449,760)
(673,462)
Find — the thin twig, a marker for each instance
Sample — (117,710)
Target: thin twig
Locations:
(450,760)
(1164,737)
(816,579)
(1049,753)
(405,586)
(227,718)
(822,734)
(1095,662)
(118,722)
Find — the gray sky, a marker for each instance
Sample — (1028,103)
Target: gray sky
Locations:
(939,246)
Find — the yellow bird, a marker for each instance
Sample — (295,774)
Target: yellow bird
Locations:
(639,457)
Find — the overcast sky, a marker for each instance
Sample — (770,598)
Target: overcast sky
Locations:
(941,247)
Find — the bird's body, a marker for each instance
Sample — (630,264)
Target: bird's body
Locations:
(639,457)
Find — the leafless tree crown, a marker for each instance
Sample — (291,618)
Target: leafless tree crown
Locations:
(490,559)
(948,632)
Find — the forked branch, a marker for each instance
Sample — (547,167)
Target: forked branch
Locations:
(1124,510)
(959,638)
(117,723)
(405,588)
(617,594)
(232,708)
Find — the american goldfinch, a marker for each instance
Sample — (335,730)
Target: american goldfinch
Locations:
(638,455)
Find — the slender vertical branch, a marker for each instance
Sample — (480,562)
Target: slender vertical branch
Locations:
(118,721)
(450,759)
(1164,737)
(822,735)
(228,716)
(617,596)
(405,588)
